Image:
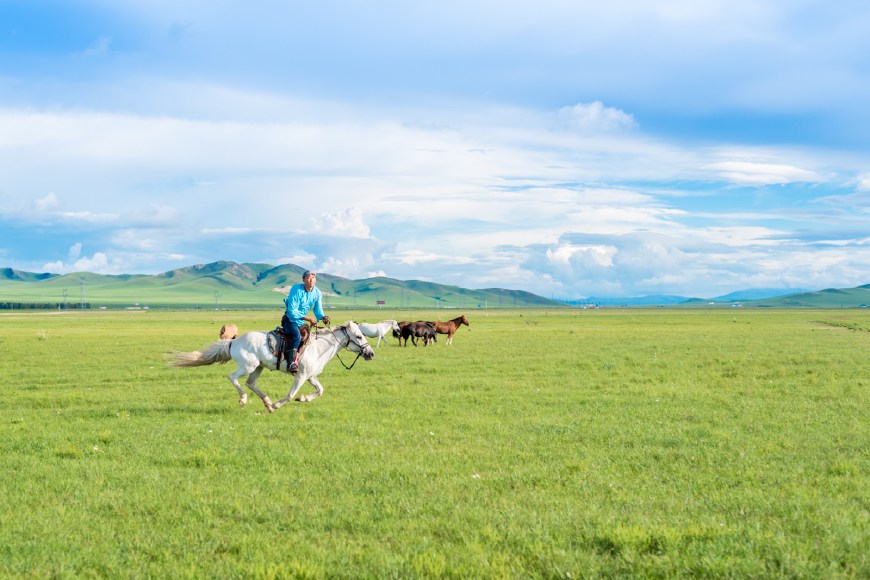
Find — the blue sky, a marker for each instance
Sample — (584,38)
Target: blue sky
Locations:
(568,148)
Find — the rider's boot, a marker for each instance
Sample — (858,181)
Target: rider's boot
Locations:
(292,367)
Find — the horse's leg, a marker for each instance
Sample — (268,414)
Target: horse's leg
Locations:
(318,391)
(294,388)
(251,383)
(234,379)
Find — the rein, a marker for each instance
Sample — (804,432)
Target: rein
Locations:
(358,354)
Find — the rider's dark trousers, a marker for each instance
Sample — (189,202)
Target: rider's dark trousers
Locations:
(291,330)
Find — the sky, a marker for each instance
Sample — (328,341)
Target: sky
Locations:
(567,148)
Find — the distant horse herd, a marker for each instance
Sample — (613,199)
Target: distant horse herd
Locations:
(428,331)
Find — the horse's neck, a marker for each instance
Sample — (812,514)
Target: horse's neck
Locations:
(321,349)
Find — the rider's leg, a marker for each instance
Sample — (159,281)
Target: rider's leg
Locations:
(292,346)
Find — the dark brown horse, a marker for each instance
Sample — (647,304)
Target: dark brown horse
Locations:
(450,327)
(415,330)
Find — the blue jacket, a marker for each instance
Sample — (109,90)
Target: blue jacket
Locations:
(299,303)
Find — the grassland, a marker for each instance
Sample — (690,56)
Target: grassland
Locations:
(608,443)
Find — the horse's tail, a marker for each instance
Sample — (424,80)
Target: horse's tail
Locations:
(217,352)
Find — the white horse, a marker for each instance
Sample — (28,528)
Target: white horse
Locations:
(252,354)
(379,330)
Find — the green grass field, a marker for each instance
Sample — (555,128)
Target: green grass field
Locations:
(611,443)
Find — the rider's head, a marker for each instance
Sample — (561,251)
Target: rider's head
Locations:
(309,278)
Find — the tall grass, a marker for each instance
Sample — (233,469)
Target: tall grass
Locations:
(539,444)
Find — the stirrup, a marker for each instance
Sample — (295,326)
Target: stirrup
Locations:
(292,361)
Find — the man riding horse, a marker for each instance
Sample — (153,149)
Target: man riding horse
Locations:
(301,299)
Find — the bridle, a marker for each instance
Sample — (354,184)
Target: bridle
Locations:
(349,341)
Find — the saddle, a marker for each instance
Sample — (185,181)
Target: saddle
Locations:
(278,344)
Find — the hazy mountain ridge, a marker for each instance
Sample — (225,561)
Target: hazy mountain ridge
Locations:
(758,297)
(759,294)
(652,300)
(13,274)
(227,283)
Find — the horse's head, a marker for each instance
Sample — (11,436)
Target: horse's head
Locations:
(463,320)
(356,342)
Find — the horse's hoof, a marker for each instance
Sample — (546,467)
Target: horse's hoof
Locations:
(243,401)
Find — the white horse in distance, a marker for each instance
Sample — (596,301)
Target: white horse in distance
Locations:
(379,330)
(252,354)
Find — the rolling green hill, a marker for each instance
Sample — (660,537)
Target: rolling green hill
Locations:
(829,298)
(225,284)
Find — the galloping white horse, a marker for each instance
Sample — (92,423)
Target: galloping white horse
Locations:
(252,354)
(379,330)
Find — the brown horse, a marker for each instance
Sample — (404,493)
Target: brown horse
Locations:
(450,327)
(229,331)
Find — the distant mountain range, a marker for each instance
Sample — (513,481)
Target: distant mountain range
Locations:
(226,284)
(755,297)
(759,294)
(668,299)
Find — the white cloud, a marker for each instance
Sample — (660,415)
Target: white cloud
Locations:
(89,217)
(752,173)
(47,203)
(419,258)
(568,254)
(858,200)
(346,222)
(99,263)
(304,260)
(138,241)
(74,252)
(594,117)
(347,267)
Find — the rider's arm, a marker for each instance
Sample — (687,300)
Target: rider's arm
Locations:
(318,306)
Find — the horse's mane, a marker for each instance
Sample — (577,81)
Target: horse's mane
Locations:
(457,321)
